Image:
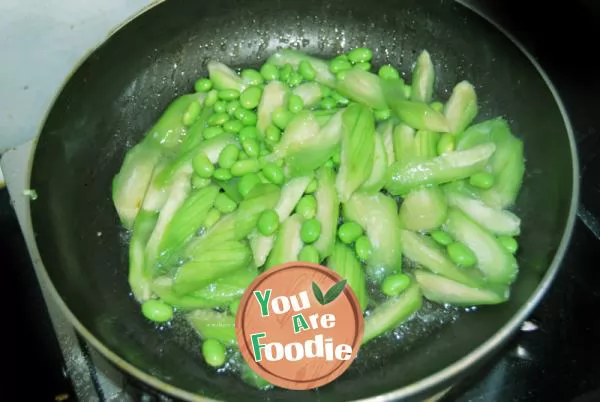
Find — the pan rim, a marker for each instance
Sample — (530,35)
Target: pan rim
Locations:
(434,382)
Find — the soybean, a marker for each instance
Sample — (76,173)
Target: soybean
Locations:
(360,55)
(241,168)
(273,173)
(212,217)
(295,79)
(282,117)
(437,106)
(461,254)
(233,126)
(307,70)
(200,182)
(310,231)
(272,134)
(218,119)
(222,174)
(285,72)
(211,98)
(309,253)
(445,144)
(328,103)
(268,222)
(509,243)
(251,77)
(250,98)
(442,237)
(202,166)
(213,131)
(382,114)
(224,203)
(366,66)
(157,310)
(388,72)
(295,104)
(248,132)
(249,118)
(247,183)
(232,106)
(363,248)
(395,284)
(339,98)
(338,65)
(228,156)
(220,107)
(229,94)
(203,85)
(483,180)
(251,147)
(307,206)
(214,352)
(269,72)
(350,231)
(312,186)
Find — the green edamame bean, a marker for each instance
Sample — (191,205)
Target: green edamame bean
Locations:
(312,186)
(228,156)
(232,106)
(199,182)
(388,72)
(222,174)
(213,131)
(309,253)
(437,106)
(328,103)
(224,203)
(341,76)
(461,254)
(442,237)
(157,310)
(214,352)
(360,55)
(307,70)
(382,114)
(249,118)
(395,284)
(212,217)
(341,100)
(248,132)
(325,91)
(366,66)
(218,119)
(273,173)
(445,144)
(310,231)
(265,149)
(229,94)
(241,168)
(243,156)
(220,107)
(268,222)
(295,79)
(269,72)
(336,158)
(272,134)
(202,166)
(240,113)
(247,183)
(350,231)
(307,206)
(233,126)
(407,91)
(281,117)
(337,65)
(251,147)
(233,307)
(250,98)
(251,77)
(295,104)
(203,85)
(211,98)
(509,243)
(191,114)
(285,72)
(363,248)
(482,180)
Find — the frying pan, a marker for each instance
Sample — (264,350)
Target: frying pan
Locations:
(124,85)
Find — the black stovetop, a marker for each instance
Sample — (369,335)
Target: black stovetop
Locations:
(559,361)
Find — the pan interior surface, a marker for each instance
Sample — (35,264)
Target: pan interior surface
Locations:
(124,86)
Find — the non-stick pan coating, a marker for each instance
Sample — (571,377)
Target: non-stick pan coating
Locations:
(123,87)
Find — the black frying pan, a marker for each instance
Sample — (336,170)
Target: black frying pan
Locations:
(125,84)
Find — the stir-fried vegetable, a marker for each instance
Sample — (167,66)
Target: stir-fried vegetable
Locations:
(407,196)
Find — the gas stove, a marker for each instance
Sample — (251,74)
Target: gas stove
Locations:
(556,355)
